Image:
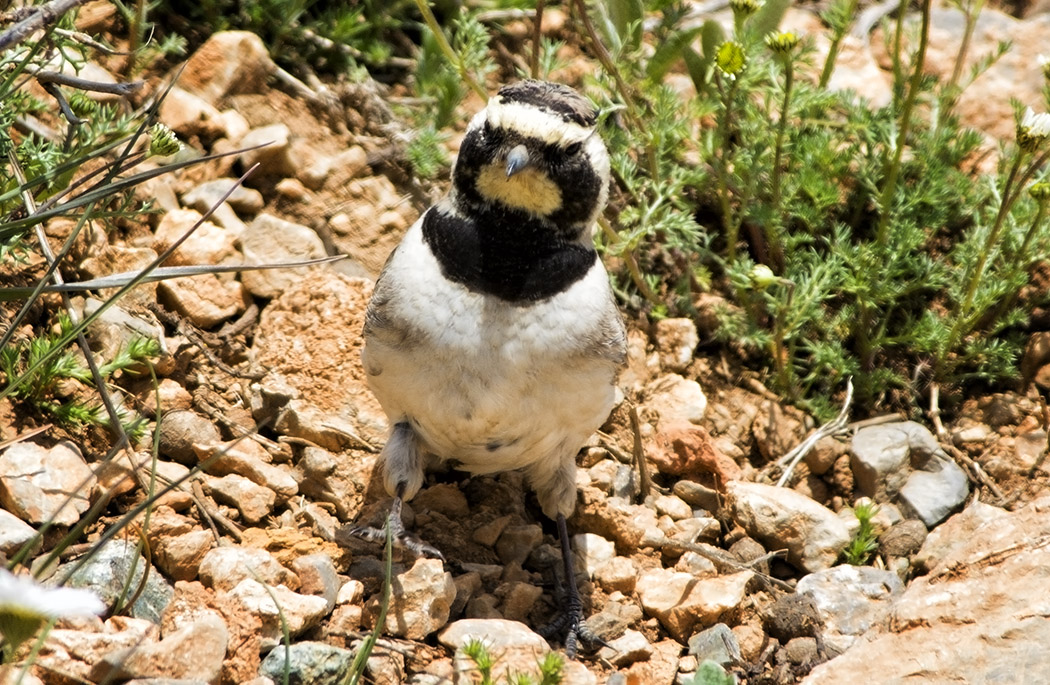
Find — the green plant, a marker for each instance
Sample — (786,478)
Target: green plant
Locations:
(550,667)
(425,152)
(303,36)
(865,540)
(888,267)
(711,673)
(446,68)
(43,364)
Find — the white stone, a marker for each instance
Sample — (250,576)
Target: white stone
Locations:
(421,600)
(40,485)
(592,551)
(681,601)
(781,518)
(675,399)
(223,568)
(268,239)
(284,608)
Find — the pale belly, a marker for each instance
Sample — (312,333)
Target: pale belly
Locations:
(488,416)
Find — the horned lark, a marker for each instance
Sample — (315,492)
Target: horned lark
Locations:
(492,340)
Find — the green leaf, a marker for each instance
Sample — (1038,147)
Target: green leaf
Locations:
(670,51)
(626,17)
(768,18)
(699,68)
(712,35)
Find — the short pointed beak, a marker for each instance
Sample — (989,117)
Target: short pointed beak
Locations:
(517,159)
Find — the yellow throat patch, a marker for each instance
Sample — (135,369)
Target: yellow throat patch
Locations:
(529,189)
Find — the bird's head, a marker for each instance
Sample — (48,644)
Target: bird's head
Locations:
(535,149)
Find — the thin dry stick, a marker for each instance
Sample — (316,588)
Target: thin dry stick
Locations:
(646,483)
(719,557)
(44,15)
(934,411)
(537,35)
(833,427)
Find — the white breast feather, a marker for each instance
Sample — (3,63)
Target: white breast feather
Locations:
(479,387)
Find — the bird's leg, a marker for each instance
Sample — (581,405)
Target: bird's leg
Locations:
(403,475)
(570,621)
(401,537)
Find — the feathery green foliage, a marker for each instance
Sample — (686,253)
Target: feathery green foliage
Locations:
(865,540)
(550,667)
(46,371)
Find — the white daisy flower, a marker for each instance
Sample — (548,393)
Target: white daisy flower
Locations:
(23,595)
(25,605)
(1034,130)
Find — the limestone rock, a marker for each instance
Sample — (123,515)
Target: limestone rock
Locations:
(206,300)
(850,600)
(516,650)
(675,339)
(269,147)
(190,115)
(630,647)
(935,491)
(717,643)
(977,612)
(246,458)
(254,502)
(193,652)
(591,551)
(14,532)
(208,244)
(617,574)
(38,484)
(676,399)
(297,612)
(179,430)
(328,477)
(903,460)
(180,556)
(223,568)
(781,518)
(318,576)
(228,63)
(421,600)
(269,240)
(681,602)
(77,651)
(205,195)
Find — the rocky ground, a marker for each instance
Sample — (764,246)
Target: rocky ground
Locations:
(701,555)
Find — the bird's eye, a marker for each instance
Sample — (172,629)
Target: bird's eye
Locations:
(574,149)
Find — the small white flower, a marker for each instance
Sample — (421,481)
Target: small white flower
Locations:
(1033,131)
(24,596)
(25,605)
(1036,124)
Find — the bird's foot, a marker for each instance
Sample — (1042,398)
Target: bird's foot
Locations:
(401,538)
(571,629)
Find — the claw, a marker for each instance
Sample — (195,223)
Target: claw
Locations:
(401,537)
(569,624)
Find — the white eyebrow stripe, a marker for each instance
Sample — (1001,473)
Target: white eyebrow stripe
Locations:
(532,122)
